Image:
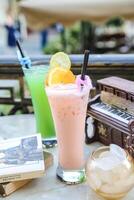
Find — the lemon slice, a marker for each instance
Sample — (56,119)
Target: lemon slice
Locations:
(61,60)
(60,76)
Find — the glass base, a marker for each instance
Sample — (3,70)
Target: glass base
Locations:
(49,143)
(71,176)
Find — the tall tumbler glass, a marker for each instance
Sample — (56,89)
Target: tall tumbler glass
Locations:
(35,77)
(69,105)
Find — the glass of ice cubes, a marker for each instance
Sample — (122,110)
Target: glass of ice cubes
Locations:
(110,172)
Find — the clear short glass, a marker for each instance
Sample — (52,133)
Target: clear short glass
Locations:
(69,106)
(112,184)
(35,78)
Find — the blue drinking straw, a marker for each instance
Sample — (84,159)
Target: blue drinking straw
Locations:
(24,61)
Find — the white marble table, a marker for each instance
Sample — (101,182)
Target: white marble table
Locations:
(47,187)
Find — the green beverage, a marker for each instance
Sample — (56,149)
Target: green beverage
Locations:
(35,77)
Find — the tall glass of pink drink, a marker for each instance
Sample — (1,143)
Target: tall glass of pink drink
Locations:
(68,106)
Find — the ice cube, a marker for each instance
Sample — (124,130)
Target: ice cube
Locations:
(111,189)
(94,181)
(129,182)
(2,155)
(104,176)
(122,171)
(107,163)
(104,154)
(118,151)
(118,187)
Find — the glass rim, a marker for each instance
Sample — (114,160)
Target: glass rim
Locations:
(36,67)
(94,157)
(64,87)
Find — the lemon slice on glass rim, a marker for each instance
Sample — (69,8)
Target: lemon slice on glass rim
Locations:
(61,60)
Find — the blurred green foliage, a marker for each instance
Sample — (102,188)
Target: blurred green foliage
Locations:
(72,41)
(115,21)
(53,46)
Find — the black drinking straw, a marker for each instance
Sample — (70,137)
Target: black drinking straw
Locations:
(21,51)
(84,65)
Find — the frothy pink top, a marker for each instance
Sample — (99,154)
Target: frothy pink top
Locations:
(66,89)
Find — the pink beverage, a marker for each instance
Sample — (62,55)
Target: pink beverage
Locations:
(68,106)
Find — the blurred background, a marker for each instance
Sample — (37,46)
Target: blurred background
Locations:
(45,27)
(99,33)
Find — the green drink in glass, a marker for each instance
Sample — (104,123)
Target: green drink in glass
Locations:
(35,77)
